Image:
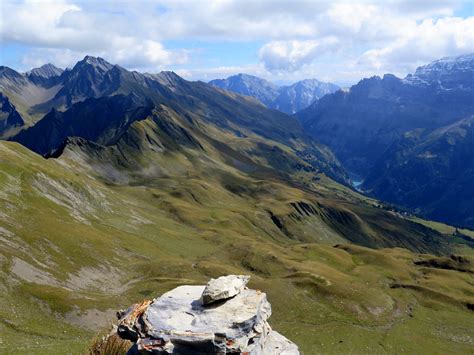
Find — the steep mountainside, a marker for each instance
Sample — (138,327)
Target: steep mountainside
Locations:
(430,174)
(100,120)
(288,99)
(9,117)
(24,94)
(117,97)
(367,128)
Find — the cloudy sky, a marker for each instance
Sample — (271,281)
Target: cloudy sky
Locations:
(283,41)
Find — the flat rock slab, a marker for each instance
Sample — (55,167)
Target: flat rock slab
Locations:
(179,317)
(179,322)
(224,287)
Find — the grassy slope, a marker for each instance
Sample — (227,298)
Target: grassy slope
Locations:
(76,248)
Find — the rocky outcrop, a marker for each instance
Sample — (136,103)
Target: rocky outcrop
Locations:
(220,318)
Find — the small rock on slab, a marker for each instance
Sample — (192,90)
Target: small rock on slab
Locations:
(223,288)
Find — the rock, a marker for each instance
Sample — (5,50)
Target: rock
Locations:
(277,344)
(129,327)
(224,287)
(179,322)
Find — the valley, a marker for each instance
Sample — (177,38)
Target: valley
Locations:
(132,184)
(410,139)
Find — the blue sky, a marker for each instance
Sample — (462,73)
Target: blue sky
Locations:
(283,41)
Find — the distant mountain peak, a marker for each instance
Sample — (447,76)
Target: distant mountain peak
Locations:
(169,74)
(96,62)
(288,99)
(7,72)
(45,71)
(448,72)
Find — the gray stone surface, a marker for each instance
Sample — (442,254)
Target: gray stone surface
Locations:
(179,322)
(277,344)
(224,287)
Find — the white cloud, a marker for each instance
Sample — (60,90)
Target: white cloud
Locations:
(292,55)
(424,42)
(369,39)
(304,37)
(63,33)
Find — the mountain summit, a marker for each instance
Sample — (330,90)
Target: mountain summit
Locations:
(249,85)
(288,99)
(45,71)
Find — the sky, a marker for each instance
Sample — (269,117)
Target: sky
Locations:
(283,41)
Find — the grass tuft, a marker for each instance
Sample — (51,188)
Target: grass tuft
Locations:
(110,344)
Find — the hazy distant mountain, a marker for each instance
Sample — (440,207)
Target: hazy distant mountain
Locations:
(301,94)
(288,99)
(371,129)
(447,73)
(261,89)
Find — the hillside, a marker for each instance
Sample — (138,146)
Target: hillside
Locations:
(105,236)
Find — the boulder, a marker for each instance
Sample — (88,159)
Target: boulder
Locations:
(224,287)
(179,322)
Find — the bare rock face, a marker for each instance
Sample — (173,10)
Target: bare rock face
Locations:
(233,320)
(224,287)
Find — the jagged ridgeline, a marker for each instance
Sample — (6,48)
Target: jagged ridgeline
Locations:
(152,182)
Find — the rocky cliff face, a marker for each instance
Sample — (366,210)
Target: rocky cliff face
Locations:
(220,318)
(9,116)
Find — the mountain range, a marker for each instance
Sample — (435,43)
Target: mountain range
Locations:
(98,101)
(116,185)
(288,99)
(408,139)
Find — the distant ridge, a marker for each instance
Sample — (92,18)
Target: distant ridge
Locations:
(410,139)
(288,99)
